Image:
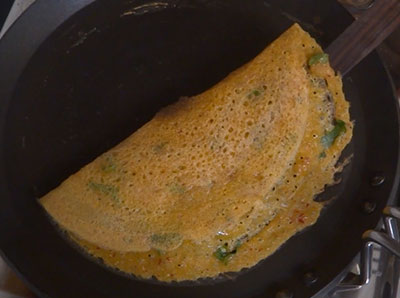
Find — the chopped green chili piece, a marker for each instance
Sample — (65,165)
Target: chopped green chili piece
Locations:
(224,254)
(318,58)
(322,154)
(330,137)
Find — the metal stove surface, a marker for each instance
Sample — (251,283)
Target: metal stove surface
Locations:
(384,266)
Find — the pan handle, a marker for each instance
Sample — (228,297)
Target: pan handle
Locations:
(357,4)
(364,35)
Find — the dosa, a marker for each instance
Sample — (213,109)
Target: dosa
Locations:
(218,181)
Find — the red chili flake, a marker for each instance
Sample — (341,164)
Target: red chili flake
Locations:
(301,218)
(159,261)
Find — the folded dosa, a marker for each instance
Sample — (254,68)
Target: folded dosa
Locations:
(233,170)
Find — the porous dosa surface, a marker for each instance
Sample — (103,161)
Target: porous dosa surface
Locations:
(238,164)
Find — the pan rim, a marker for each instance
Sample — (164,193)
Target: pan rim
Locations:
(11,38)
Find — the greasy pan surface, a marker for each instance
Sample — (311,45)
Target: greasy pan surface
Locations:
(106,71)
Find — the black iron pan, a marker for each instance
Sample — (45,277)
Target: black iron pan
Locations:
(78,76)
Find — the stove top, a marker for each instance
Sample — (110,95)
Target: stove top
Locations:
(381,264)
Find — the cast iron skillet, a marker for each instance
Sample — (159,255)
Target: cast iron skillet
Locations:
(76,79)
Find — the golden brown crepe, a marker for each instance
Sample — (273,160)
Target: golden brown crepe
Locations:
(218,181)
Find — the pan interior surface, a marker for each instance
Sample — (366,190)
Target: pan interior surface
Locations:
(108,69)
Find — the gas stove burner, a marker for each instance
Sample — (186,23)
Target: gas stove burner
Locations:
(374,273)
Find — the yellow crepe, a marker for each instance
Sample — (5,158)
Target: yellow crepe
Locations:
(218,181)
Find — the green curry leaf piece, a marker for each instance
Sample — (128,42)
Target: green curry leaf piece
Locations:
(329,138)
